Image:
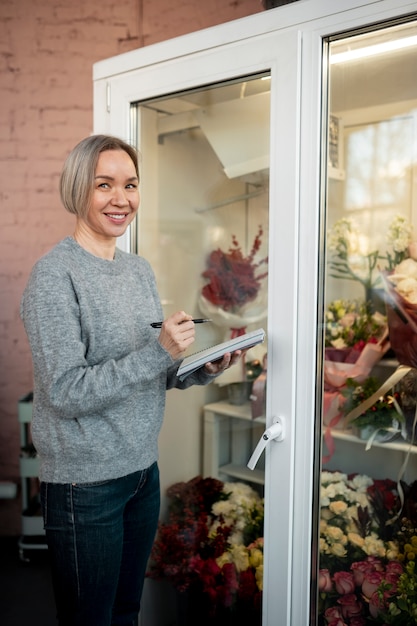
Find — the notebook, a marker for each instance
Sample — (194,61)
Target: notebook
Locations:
(193,362)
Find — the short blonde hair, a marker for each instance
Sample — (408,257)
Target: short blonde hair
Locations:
(76,184)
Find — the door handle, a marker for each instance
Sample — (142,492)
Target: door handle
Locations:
(276,432)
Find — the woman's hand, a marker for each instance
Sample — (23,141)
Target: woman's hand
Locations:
(177,334)
(229,359)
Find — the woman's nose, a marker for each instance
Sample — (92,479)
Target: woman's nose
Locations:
(119,197)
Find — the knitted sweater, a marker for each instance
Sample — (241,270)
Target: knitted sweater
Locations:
(100,375)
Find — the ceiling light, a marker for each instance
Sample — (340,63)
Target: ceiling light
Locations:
(379,48)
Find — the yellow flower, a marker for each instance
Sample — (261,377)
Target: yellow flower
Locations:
(256,557)
(374,546)
(326,514)
(240,557)
(356,540)
(335,534)
(338,550)
(224,558)
(323,545)
(338,507)
(392,551)
(259,576)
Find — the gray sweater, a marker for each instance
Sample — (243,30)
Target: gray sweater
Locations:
(100,375)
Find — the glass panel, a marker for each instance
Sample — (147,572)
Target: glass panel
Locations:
(368,524)
(203,226)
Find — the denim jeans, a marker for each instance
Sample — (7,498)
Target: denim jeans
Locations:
(99,538)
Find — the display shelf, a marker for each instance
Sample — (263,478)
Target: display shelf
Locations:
(240,411)
(230,436)
(398,444)
(33,534)
(243,473)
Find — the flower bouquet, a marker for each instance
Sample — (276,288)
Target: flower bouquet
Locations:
(351,258)
(230,296)
(382,421)
(211,548)
(367,552)
(355,340)
(233,295)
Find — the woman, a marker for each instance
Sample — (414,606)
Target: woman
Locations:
(100,376)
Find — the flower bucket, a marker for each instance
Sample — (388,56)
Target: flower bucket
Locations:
(238,393)
(369,433)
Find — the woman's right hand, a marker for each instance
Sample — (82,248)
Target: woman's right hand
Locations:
(177,334)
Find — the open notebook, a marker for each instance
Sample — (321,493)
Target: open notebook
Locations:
(193,362)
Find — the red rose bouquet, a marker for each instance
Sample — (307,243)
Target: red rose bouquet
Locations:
(212,545)
(231,295)
(233,278)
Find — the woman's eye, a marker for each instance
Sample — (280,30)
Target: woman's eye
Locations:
(103,186)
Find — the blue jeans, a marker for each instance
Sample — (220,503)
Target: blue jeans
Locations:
(99,538)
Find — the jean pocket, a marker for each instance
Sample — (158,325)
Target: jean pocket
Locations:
(96,483)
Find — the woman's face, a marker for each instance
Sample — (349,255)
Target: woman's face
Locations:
(115,198)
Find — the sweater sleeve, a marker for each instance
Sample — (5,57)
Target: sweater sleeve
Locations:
(68,382)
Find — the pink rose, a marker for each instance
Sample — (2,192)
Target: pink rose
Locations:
(359,569)
(344,582)
(357,621)
(337,622)
(371,583)
(325,581)
(394,567)
(392,579)
(376,563)
(351,606)
(375,605)
(332,614)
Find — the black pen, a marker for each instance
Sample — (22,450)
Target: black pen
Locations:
(197,321)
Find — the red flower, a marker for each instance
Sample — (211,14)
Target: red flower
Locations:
(371,583)
(351,605)
(359,570)
(232,276)
(344,582)
(186,549)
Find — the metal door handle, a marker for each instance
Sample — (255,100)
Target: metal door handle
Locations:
(276,432)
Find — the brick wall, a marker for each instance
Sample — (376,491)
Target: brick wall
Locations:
(47,49)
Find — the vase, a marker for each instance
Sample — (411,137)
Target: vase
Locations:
(382,436)
(238,393)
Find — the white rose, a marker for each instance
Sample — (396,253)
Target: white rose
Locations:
(408,267)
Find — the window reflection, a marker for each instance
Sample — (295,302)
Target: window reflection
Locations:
(379,165)
(368,429)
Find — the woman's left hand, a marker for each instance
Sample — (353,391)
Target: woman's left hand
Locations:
(229,359)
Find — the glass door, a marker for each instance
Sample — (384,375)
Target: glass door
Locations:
(367,518)
(204,227)
(203,128)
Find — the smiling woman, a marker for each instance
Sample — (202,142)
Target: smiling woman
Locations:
(100,378)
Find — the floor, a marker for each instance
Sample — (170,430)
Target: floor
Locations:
(26,595)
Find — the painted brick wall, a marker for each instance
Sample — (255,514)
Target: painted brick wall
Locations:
(47,49)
